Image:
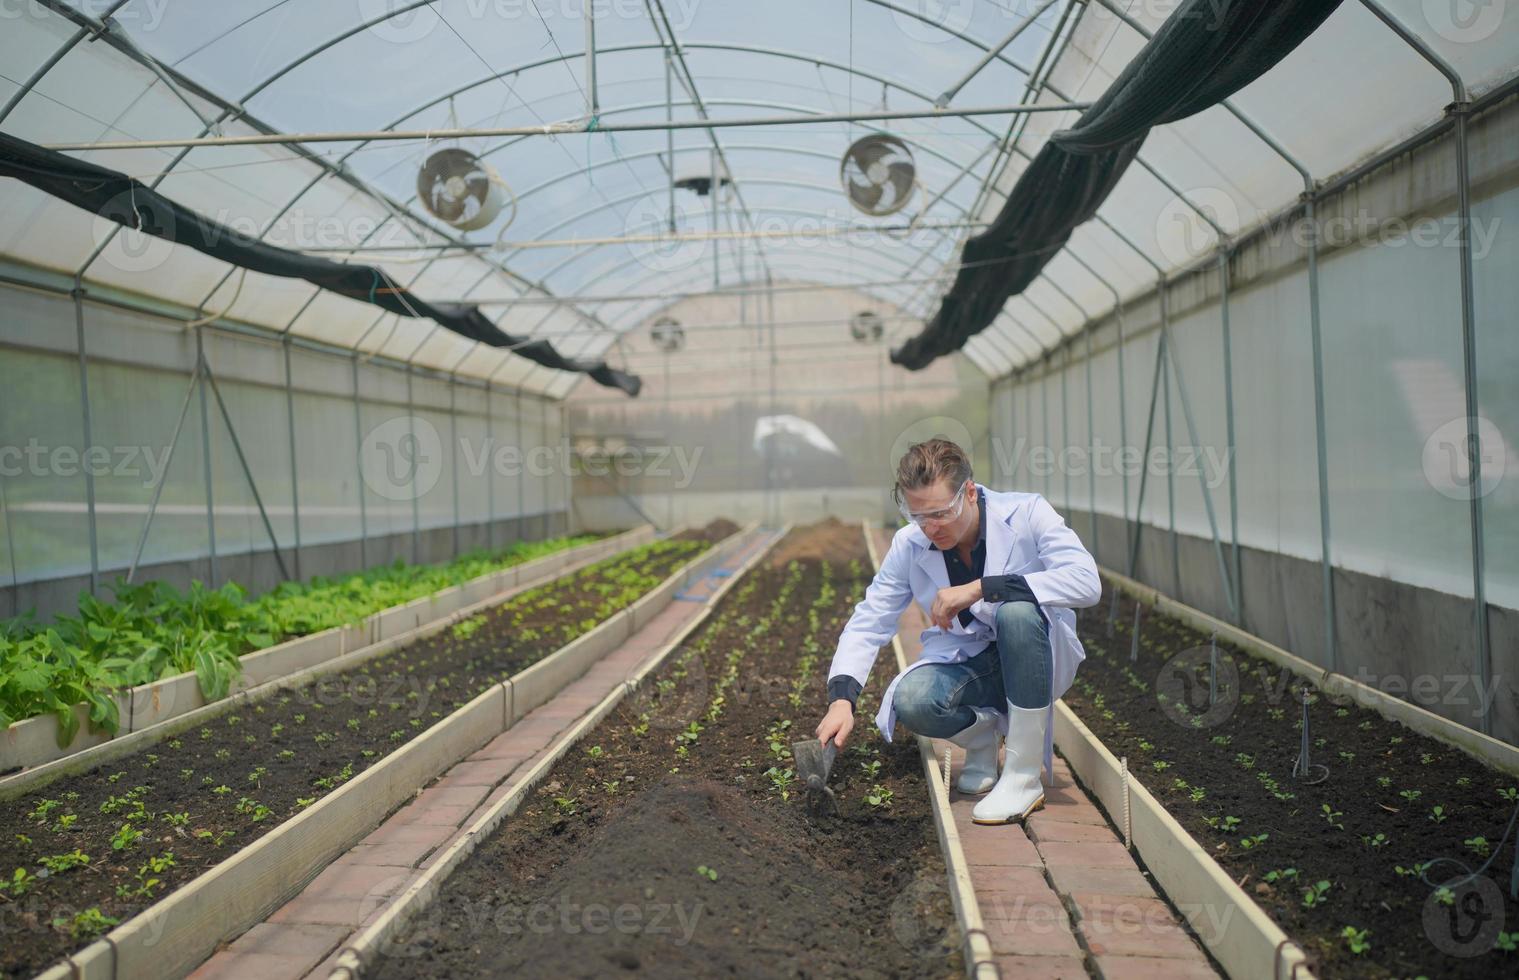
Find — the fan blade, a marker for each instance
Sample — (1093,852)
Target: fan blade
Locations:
(865,195)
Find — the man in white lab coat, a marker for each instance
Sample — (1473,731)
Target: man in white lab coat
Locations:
(998,575)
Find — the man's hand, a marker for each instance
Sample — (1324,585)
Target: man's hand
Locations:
(951,601)
(837,723)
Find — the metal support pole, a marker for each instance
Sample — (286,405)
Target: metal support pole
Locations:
(1144,462)
(1044,422)
(714,193)
(205,446)
(295,473)
(10,550)
(453,456)
(163,476)
(1331,646)
(242,459)
(670,134)
(358,455)
(1186,411)
(669,491)
(416,507)
(592,102)
(1460,110)
(521,466)
(490,471)
(1223,266)
(1165,389)
(1123,435)
(773,514)
(543,437)
(1091,450)
(1065,439)
(88,435)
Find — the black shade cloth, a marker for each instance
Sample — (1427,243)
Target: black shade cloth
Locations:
(1056,193)
(1204,52)
(131,203)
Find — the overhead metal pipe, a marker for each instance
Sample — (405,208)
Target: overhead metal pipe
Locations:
(561,128)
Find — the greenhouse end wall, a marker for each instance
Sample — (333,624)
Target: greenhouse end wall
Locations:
(380,463)
(1394,412)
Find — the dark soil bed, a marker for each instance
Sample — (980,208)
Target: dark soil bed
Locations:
(1392,801)
(673,840)
(123,835)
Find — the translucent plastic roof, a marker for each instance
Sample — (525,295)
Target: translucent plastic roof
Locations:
(313,66)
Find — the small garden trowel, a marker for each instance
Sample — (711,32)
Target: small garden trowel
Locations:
(813,762)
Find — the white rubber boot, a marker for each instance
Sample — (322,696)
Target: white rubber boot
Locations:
(979,740)
(1018,792)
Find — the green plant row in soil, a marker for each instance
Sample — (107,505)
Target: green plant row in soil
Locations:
(82,854)
(152,631)
(1351,866)
(673,838)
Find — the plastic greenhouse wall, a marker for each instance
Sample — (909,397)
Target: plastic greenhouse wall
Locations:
(712,436)
(365,434)
(1394,418)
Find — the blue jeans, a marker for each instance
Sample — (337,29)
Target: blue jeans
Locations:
(936,699)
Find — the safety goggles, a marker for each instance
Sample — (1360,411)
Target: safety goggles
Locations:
(942,516)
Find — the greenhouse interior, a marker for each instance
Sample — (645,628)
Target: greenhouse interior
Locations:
(688,488)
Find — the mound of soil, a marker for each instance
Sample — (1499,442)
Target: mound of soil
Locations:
(713,532)
(631,898)
(827,540)
(663,843)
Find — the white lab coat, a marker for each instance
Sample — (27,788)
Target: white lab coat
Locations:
(1024,536)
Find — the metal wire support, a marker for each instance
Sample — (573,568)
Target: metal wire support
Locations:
(1213,669)
(1303,769)
(1134,639)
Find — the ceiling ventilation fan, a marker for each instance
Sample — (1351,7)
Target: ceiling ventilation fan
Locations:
(459,188)
(878,174)
(668,335)
(866,326)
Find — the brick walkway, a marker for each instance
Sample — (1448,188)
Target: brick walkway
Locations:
(304,937)
(1063,899)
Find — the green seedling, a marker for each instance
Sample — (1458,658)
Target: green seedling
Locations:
(782,780)
(126,837)
(86,925)
(1315,895)
(59,863)
(1356,939)
(19,883)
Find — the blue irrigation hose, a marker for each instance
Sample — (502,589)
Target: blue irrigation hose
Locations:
(1513,875)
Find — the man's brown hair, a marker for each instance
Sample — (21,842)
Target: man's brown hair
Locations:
(926,463)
